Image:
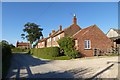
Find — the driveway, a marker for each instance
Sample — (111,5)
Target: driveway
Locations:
(27,66)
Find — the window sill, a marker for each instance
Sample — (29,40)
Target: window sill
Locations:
(87,49)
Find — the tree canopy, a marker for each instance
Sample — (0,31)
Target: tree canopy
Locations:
(34,32)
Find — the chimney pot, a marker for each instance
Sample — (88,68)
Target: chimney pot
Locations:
(74,19)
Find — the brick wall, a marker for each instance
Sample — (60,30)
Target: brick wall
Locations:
(97,39)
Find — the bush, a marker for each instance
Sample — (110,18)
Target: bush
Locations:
(67,44)
(49,51)
(72,54)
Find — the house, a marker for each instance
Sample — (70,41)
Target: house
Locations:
(23,45)
(114,35)
(91,41)
(51,40)
(41,43)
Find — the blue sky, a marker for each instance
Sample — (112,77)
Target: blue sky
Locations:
(50,15)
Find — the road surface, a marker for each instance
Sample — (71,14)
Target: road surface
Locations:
(27,66)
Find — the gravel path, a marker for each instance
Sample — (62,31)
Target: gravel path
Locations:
(23,65)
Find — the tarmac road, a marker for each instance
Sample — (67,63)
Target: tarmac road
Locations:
(27,66)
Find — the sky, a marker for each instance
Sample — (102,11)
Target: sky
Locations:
(50,15)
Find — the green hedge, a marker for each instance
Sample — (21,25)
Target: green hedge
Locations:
(46,52)
(19,50)
(6,58)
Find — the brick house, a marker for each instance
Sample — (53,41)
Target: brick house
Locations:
(41,43)
(51,41)
(88,41)
(92,41)
(23,45)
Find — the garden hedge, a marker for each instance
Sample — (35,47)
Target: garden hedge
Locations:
(6,58)
(19,50)
(48,51)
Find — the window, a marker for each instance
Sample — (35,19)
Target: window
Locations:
(54,38)
(76,42)
(87,44)
(50,39)
(58,36)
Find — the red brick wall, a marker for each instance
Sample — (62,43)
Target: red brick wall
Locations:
(40,45)
(98,40)
(49,43)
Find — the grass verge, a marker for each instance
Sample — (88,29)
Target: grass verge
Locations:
(53,58)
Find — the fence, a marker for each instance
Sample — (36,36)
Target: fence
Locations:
(99,52)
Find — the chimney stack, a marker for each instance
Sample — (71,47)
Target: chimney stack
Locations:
(53,31)
(49,34)
(60,28)
(74,19)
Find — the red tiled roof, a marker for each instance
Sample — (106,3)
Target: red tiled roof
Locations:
(70,27)
(42,39)
(23,44)
(59,32)
(83,31)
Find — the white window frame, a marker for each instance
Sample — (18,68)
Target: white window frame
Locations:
(87,44)
(54,38)
(42,42)
(50,39)
(76,42)
(58,36)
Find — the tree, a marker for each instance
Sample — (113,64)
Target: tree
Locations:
(67,44)
(23,36)
(4,42)
(12,46)
(33,32)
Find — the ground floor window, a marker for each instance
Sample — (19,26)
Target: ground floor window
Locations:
(87,44)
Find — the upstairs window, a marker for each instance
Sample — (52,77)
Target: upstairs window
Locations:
(76,42)
(87,44)
(50,39)
(54,38)
(58,36)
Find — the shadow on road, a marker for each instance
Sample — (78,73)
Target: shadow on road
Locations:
(23,61)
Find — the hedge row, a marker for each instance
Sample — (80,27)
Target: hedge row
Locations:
(49,51)
(19,50)
(6,58)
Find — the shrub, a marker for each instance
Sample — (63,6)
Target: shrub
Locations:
(49,51)
(67,44)
(72,53)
